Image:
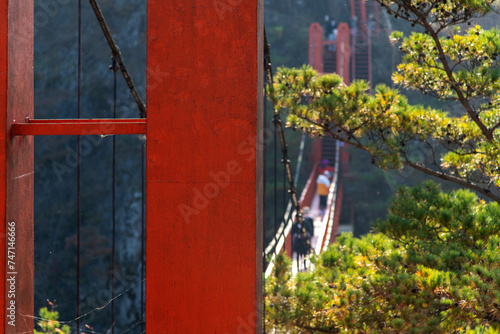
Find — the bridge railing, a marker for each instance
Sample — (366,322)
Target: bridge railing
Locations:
(327,225)
(278,244)
(282,240)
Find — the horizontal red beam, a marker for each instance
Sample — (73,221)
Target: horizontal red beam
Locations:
(80,127)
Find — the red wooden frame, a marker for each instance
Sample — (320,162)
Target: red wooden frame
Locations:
(16,167)
(204,274)
(316,47)
(344,52)
(204,174)
(82,127)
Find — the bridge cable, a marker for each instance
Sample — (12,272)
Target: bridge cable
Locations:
(117,54)
(118,64)
(264,172)
(264,188)
(275,142)
(284,148)
(285,191)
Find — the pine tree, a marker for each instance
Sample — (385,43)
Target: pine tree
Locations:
(442,61)
(432,267)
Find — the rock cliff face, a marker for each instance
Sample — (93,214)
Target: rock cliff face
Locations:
(56,96)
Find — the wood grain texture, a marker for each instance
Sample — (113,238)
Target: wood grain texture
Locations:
(16,155)
(3,150)
(204,178)
(82,127)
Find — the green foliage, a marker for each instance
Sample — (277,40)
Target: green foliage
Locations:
(49,324)
(444,62)
(433,267)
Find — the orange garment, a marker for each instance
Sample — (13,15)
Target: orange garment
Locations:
(322,185)
(322,189)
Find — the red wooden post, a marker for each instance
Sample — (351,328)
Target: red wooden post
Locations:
(204,177)
(343,52)
(16,167)
(82,127)
(316,47)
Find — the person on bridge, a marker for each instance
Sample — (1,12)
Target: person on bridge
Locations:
(325,167)
(308,221)
(322,186)
(301,243)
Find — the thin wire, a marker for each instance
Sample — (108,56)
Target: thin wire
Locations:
(264,176)
(285,192)
(143,235)
(275,181)
(113,255)
(78,177)
(97,309)
(279,128)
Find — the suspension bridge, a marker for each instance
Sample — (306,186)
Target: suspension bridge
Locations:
(201,223)
(344,49)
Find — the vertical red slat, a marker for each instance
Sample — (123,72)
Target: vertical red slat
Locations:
(3,150)
(16,165)
(288,245)
(204,178)
(316,47)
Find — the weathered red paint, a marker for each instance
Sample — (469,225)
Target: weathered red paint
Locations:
(204,179)
(16,160)
(288,245)
(4,28)
(51,127)
(316,47)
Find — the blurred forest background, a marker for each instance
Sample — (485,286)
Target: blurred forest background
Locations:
(367,190)
(56,96)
